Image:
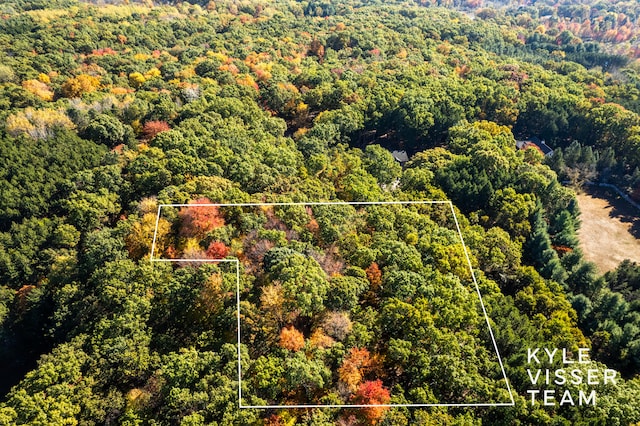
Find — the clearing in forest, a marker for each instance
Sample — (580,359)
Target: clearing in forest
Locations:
(609,229)
(340,304)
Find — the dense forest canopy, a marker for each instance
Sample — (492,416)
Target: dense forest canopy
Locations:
(112,110)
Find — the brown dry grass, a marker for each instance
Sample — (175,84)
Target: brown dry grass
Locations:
(609,230)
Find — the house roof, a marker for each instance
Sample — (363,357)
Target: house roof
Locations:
(535,142)
(400,156)
(546,149)
(529,144)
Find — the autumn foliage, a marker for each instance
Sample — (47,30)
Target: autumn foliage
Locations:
(274,420)
(75,87)
(337,325)
(141,236)
(37,124)
(38,88)
(210,299)
(354,367)
(372,393)
(562,250)
(320,340)
(217,250)
(334,297)
(23,295)
(316,48)
(198,221)
(374,275)
(291,339)
(152,128)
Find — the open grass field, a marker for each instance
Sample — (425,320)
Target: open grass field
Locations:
(609,230)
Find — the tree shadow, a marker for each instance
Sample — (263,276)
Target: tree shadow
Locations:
(620,209)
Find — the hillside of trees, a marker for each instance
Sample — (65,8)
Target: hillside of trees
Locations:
(585,29)
(110,111)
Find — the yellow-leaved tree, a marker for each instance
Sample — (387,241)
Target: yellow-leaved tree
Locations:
(38,88)
(75,87)
(37,123)
(140,238)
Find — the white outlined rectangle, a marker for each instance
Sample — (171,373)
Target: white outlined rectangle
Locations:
(329,203)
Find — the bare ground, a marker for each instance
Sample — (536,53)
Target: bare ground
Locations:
(610,229)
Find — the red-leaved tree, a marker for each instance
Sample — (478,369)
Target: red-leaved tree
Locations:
(152,128)
(374,275)
(372,393)
(197,221)
(217,250)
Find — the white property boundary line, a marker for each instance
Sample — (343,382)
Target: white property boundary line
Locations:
(328,203)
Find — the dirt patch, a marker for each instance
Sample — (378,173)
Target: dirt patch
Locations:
(610,229)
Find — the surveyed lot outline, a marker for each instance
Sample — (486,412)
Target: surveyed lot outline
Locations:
(329,203)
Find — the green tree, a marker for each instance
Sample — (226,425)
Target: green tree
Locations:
(381,165)
(304,283)
(108,130)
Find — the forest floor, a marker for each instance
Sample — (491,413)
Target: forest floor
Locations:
(609,230)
